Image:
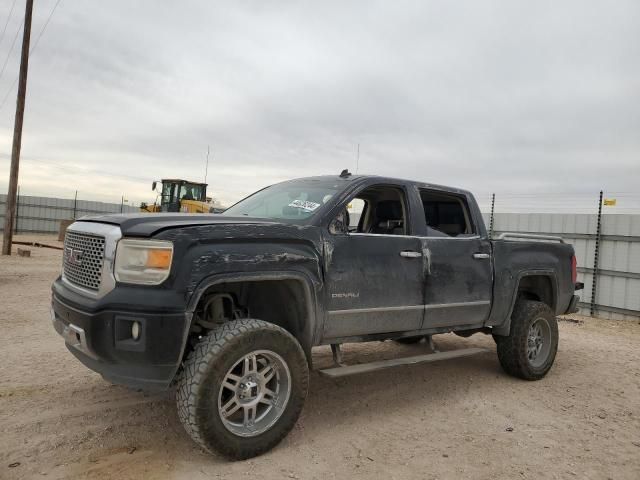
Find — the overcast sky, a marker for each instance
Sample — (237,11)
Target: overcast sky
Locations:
(507,96)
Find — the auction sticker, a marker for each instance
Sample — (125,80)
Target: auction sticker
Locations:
(308,206)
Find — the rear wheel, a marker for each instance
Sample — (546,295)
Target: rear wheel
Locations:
(529,350)
(242,388)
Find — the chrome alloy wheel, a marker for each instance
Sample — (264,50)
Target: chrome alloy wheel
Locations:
(538,342)
(254,393)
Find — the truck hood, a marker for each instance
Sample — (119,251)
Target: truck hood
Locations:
(148,224)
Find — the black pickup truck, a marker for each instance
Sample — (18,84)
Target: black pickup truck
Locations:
(228,307)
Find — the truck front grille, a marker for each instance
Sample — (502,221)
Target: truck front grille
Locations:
(83,259)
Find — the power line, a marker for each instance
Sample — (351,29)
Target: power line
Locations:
(4,100)
(44,27)
(13,44)
(33,48)
(4,30)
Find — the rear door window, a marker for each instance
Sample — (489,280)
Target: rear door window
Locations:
(446,215)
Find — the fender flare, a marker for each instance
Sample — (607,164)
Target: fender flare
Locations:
(504,328)
(312,330)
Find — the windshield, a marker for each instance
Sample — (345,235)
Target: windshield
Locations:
(192,192)
(173,192)
(295,200)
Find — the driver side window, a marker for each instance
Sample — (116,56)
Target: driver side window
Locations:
(377,210)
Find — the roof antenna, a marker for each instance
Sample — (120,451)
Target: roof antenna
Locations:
(358,159)
(206,168)
(345,173)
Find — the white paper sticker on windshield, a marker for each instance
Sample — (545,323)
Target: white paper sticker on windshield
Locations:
(308,206)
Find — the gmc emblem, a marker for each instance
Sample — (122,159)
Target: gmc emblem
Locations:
(74,256)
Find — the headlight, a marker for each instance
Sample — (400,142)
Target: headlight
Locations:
(145,262)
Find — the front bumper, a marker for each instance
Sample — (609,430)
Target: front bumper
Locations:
(102,341)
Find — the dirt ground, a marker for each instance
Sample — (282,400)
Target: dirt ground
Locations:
(458,419)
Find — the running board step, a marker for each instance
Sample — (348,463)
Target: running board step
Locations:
(394,362)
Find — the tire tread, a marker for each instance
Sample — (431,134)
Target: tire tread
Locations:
(511,349)
(195,369)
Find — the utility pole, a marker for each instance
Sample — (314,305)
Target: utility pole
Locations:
(10,212)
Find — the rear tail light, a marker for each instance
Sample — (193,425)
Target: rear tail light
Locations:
(574,270)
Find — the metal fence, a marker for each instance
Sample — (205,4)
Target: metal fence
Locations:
(613,254)
(613,251)
(43,214)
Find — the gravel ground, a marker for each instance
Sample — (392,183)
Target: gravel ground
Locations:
(458,419)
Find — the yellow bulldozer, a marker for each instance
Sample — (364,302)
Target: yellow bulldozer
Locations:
(177,195)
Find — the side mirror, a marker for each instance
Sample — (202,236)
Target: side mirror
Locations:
(338,226)
(153,185)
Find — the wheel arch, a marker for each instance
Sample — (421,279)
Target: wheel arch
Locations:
(538,285)
(301,320)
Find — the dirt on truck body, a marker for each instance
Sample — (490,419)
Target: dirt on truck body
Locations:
(60,420)
(229,307)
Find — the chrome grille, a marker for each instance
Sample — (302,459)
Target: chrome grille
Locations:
(83,259)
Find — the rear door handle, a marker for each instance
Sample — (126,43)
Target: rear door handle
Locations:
(480,256)
(410,254)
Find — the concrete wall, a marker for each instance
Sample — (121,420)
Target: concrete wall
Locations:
(43,214)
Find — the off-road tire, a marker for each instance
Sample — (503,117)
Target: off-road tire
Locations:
(512,349)
(199,384)
(409,340)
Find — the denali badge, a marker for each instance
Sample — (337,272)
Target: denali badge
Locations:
(346,295)
(74,256)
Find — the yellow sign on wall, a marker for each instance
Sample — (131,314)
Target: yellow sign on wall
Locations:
(609,202)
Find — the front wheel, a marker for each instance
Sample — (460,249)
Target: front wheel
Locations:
(242,388)
(529,350)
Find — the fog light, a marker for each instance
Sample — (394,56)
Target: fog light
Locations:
(135,330)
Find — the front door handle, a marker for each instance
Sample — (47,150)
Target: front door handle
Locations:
(480,256)
(410,254)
